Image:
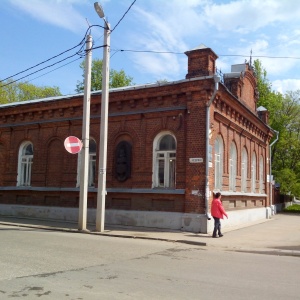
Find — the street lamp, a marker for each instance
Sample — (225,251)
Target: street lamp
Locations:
(100,213)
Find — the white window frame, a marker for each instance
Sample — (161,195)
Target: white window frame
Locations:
(253,173)
(166,159)
(261,175)
(244,170)
(91,167)
(24,165)
(219,150)
(232,167)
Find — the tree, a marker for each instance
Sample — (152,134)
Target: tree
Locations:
(284,113)
(269,99)
(162,81)
(21,91)
(116,78)
(287,179)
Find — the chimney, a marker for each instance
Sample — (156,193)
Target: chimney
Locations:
(201,62)
(263,114)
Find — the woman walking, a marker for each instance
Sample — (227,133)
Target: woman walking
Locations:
(217,211)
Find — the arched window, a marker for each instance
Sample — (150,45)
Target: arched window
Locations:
(92,164)
(164,161)
(261,175)
(253,173)
(218,162)
(25,164)
(232,167)
(244,169)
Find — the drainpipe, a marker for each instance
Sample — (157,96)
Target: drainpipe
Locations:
(270,176)
(207,191)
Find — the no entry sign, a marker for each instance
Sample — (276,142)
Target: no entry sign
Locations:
(73,144)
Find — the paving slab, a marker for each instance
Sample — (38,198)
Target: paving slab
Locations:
(279,235)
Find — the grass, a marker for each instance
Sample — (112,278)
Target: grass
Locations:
(295,208)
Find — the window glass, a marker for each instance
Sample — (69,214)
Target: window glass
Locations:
(253,173)
(261,175)
(167,143)
(244,170)
(25,164)
(232,167)
(164,161)
(218,162)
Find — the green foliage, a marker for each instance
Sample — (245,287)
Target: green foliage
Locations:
(116,78)
(296,189)
(284,115)
(287,179)
(20,91)
(295,208)
(269,99)
(162,81)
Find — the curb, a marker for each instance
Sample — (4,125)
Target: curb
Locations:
(269,251)
(128,236)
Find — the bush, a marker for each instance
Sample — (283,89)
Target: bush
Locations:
(295,208)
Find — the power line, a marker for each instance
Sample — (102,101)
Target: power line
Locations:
(79,52)
(123,15)
(148,51)
(63,65)
(172,52)
(54,69)
(40,63)
(55,56)
(39,70)
(263,56)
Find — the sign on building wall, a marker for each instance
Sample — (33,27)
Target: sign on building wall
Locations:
(196,160)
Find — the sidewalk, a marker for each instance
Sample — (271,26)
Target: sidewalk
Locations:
(279,235)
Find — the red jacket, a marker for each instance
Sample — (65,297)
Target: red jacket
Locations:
(217,209)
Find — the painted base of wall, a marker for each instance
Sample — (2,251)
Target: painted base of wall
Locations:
(164,220)
(281,206)
(242,218)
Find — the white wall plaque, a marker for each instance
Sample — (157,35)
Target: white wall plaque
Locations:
(196,160)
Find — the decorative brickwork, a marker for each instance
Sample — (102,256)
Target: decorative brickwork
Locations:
(137,115)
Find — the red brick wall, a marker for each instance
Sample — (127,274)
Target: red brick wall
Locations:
(136,115)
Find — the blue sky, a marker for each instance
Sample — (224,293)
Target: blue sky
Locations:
(33,31)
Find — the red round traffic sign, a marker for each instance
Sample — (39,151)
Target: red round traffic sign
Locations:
(73,144)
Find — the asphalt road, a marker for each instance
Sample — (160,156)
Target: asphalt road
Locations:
(42,264)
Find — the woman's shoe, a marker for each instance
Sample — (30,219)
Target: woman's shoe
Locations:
(220,235)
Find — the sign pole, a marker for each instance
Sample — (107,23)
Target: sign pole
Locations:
(85,137)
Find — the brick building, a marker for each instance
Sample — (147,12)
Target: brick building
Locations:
(170,146)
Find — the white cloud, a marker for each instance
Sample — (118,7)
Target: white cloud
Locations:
(181,25)
(57,12)
(282,86)
(162,66)
(249,15)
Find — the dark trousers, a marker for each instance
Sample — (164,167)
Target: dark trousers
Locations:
(217,227)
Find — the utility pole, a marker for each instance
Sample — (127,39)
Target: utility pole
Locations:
(100,214)
(84,167)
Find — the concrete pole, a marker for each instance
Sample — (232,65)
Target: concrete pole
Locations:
(84,167)
(100,214)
